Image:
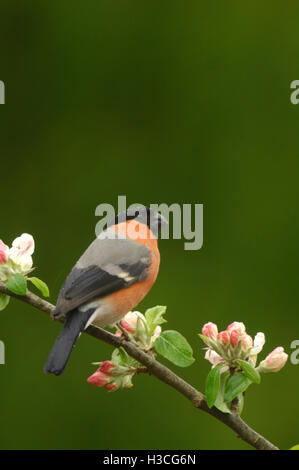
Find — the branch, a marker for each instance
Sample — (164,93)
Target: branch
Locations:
(161,372)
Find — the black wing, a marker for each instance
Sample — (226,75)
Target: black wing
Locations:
(106,267)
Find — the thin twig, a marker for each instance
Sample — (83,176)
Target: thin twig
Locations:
(161,372)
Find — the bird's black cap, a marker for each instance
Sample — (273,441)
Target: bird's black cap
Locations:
(143,214)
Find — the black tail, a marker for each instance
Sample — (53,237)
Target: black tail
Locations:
(75,323)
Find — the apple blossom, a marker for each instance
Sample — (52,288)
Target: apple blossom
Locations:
(247,342)
(258,344)
(233,355)
(21,251)
(210,330)
(16,263)
(223,338)
(99,379)
(113,374)
(234,345)
(106,367)
(274,361)
(110,387)
(16,259)
(25,244)
(235,337)
(129,322)
(3,252)
(143,331)
(236,325)
(213,357)
(3,257)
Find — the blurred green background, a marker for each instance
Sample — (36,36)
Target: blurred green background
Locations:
(162,102)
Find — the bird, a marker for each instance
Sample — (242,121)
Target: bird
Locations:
(110,279)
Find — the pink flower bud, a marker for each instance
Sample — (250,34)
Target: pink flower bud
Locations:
(106,367)
(3,257)
(247,342)
(98,379)
(3,252)
(235,337)
(223,338)
(274,361)
(110,387)
(129,322)
(236,325)
(210,330)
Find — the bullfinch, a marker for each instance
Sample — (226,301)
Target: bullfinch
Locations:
(112,276)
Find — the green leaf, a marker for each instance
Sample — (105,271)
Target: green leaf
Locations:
(4,301)
(212,344)
(296,447)
(116,357)
(17,284)
(250,371)
(220,403)
(174,347)
(204,338)
(237,384)
(40,285)
(121,358)
(213,385)
(154,317)
(125,359)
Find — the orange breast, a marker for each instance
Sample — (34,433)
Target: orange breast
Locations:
(126,299)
